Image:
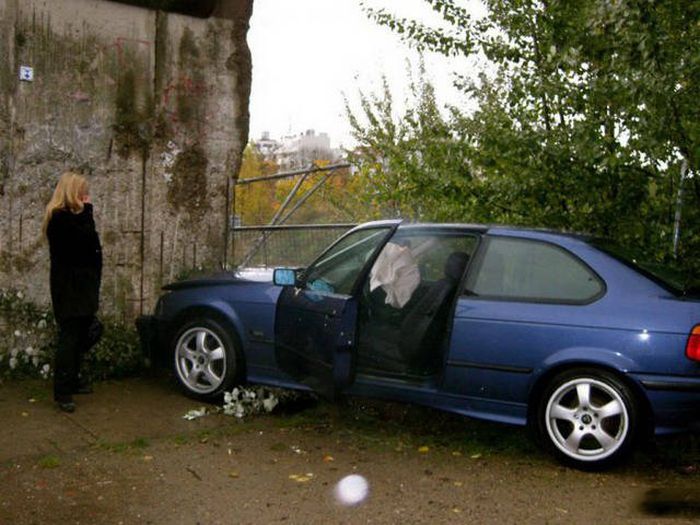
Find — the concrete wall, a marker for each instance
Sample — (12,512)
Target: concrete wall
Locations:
(152,106)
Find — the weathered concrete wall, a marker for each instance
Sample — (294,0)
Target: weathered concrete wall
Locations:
(152,106)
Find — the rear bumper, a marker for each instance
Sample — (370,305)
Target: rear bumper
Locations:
(675,402)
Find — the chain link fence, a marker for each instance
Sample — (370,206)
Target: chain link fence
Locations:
(285,245)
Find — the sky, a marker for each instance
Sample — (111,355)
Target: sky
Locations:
(308,53)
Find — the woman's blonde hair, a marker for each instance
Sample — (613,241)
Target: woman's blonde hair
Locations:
(68,195)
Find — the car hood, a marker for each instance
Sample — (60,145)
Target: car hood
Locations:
(241,276)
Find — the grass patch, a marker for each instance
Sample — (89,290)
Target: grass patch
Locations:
(136,445)
(279,447)
(140,443)
(50,461)
(181,440)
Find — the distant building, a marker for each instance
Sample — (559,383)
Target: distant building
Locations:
(296,151)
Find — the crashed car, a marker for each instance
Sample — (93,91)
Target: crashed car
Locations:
(562,332)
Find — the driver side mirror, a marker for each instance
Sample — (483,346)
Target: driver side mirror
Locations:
(287,277)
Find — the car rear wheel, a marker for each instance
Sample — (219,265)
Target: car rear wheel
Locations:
(588,418)
(205,359)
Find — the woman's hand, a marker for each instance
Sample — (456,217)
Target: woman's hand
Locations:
(85,199)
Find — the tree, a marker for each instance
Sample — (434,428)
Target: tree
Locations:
(255,202)
(584,122)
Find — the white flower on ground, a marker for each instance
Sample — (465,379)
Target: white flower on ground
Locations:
(41,324)
(14,352)
(18,333)
(30,351)
(13,363)
(270,403)
(20,295)
(35,360)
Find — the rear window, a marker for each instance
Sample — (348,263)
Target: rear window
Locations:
(667,275)
(535,271)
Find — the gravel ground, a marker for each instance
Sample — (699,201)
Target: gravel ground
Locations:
(127,456)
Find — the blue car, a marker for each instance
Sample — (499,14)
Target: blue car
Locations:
(561,332)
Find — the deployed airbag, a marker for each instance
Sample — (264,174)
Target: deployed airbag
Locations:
(397,273)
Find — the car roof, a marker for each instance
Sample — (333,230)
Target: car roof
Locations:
(492,229)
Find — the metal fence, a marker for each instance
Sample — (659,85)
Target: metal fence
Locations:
(279,243)
(282,245)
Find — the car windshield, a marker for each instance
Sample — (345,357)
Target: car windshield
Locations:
(671,276)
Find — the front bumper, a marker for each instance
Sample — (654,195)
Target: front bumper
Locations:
(151,336)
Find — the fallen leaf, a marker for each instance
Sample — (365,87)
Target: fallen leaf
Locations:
(32,400)
(456,510)
(458,483)
(233,475)
(424,449)
(148,458)
(475,456)
(327,458)
(25,414)
(456,453)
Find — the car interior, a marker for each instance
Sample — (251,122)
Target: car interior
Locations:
(409,341)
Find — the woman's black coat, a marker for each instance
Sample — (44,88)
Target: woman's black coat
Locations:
(76,263)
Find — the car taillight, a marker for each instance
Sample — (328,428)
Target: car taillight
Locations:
(692,349)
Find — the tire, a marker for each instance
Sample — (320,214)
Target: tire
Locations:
(205,359)
(588,418)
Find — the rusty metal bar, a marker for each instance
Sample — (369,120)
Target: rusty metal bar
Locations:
(289,174)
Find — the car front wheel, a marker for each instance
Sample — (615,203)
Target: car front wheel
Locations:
(205,359)
(588,418)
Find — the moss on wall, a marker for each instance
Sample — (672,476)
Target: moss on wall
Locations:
(190,89)
(133,116)
(188,189)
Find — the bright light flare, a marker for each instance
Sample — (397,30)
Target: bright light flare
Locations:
(351,490)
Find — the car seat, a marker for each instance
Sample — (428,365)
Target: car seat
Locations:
(423,328)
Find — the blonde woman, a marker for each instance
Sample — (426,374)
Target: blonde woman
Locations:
(76,270)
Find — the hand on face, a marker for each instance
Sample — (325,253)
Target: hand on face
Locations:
(85,198)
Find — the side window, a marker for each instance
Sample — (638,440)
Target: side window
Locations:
(338,268)
(522,269)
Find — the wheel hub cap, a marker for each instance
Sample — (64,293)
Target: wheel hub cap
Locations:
(200,360)
(587,419)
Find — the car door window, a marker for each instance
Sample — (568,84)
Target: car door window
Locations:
(523,269)
(405,312)
(337,270)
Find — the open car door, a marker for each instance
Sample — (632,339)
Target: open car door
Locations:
(316,321)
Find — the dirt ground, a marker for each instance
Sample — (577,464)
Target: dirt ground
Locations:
(128,456)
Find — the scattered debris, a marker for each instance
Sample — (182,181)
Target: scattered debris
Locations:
(195,413)
(194,473)
(301,478)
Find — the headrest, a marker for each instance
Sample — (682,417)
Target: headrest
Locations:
(455,265)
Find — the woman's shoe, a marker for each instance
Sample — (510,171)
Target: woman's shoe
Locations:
(66,406)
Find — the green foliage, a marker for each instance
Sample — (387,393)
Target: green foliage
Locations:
(31,334)
(415,166)
(117,355)
(583,122)
(50,462)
